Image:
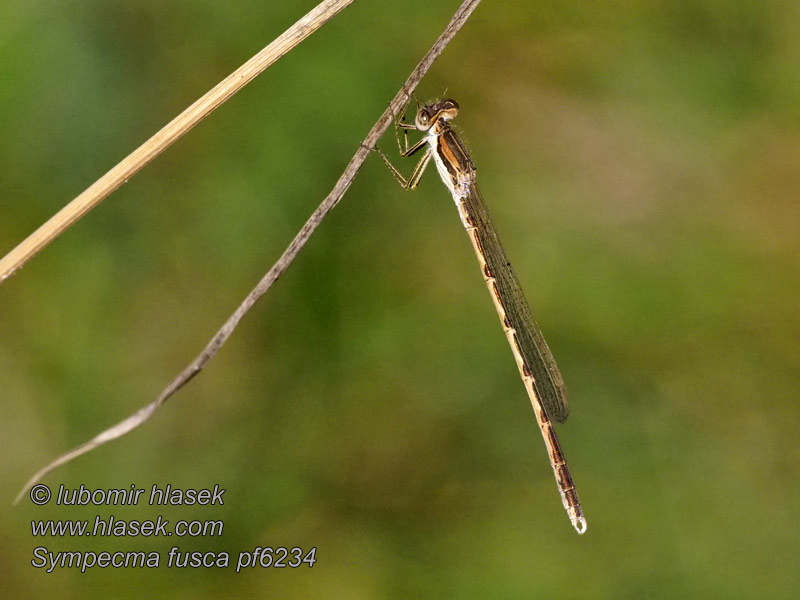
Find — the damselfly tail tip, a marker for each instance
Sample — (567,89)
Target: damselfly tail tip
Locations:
(580,525)
(577,518)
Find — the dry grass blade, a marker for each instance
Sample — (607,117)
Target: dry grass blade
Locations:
(136,160)
(333,198)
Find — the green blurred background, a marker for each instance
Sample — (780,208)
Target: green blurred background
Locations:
(643,166)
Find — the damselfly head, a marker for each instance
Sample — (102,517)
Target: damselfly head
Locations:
(448,109)
(430,114)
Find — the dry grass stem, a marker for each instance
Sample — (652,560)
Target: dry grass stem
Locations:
(162,140)
(333,198)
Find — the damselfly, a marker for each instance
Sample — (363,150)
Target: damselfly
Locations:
(536,364)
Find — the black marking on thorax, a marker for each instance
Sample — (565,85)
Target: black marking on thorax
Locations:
(454,155)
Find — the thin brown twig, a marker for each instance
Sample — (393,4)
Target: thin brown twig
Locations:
(171,132)
(291,252)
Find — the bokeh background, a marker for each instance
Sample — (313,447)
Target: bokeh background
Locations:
(642,161)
